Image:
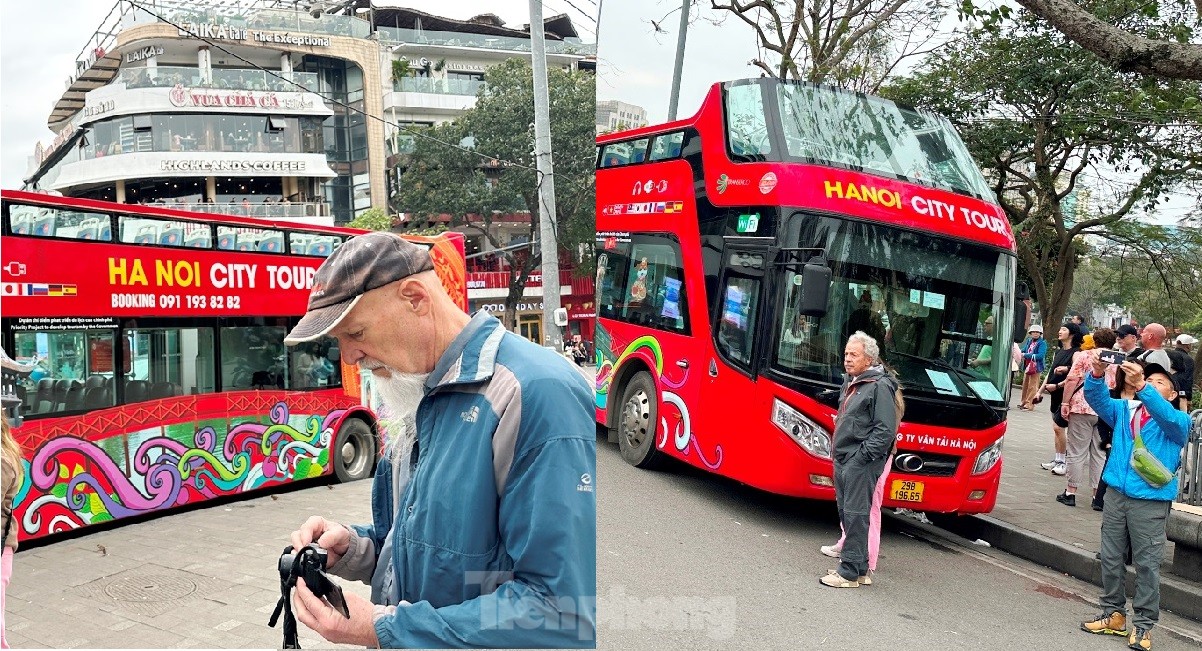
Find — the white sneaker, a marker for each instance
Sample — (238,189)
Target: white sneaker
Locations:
(1060,469)
(1048,465)
(830,550)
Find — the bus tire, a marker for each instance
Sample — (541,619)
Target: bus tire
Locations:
(354,451)
(636,423)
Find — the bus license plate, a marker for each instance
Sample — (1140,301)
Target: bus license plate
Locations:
(904,490)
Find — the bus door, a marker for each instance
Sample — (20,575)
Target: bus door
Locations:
(729,388)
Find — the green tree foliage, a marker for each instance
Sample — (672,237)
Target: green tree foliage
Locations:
(482,167)
(1041,116)
(1155,271)
(372,219)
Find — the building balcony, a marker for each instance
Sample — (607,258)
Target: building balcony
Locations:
(402,35)
(469,87)
(495,284)
(249,16)
(428,101)
(232,79)
(288,211)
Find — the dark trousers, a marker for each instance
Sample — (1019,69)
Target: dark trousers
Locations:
(1139,525)
(855,480)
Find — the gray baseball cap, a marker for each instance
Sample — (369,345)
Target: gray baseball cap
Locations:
(363,263)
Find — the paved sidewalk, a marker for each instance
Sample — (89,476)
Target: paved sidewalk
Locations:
(1028,521)
(202,579)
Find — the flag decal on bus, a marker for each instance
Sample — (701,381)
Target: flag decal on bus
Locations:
(38,289)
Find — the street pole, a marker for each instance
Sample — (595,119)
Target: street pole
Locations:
(548,244)
(679,66)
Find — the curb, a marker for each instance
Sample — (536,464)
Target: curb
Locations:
(1177,595)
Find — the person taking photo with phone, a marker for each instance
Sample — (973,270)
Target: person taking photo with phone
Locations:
(1149,434)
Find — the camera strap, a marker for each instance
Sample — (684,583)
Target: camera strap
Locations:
(284,605)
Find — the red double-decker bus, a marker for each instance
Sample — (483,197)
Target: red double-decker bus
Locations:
(161,377)
(739,248)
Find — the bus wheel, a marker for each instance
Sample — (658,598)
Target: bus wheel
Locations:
(354,451)
(636,423)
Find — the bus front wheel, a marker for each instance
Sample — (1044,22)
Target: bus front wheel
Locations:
(636,423)
(354,451)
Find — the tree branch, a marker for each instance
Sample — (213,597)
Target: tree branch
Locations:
(1123,50)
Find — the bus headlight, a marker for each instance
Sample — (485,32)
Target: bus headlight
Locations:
(808,434)
(988,458)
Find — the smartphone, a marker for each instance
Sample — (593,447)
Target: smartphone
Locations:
(1112,356)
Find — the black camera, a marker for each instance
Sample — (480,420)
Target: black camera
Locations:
(1112,356)
(309,564)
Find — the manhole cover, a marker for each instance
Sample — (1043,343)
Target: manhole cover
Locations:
(149,587)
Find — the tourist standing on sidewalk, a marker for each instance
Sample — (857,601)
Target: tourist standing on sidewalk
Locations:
(1126,341)
(1083,447)
(1184,347)
(1070,338)
(865,433)
(1146,423)
(484,515)
(874,515)
(1035,354)
(13,472)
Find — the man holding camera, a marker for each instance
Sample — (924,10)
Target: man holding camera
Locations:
(484,515)
(1149,434)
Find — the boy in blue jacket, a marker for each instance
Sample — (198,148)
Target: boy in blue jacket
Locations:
(1135,511)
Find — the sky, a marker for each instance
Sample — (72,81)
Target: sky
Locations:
(38,55)
(634,62)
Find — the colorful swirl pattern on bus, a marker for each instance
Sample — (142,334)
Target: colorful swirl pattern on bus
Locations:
(649,350)
(72,482)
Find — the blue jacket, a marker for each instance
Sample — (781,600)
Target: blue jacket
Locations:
(1164,435)
(1040,355)
(497,542)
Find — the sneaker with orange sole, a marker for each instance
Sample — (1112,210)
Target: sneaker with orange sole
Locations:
(1140,639)
(1113,624)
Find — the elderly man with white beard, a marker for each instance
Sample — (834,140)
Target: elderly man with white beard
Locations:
(483,528)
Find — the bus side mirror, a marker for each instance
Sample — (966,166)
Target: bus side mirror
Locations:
(815,287)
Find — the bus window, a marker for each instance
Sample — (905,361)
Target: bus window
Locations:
(51,222)
(638,150)
(747,132)
(252,357)
(319,246)
(615,154)
(642,282)
(163,232)
(740,300)
(667,146)
(73,370)
(167,362)
(310,366)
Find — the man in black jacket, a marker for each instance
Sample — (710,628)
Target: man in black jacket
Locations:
(865,431)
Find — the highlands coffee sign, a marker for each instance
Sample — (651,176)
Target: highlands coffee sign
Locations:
(205,98)
(228,33)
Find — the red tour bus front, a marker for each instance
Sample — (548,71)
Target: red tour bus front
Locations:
(737,251)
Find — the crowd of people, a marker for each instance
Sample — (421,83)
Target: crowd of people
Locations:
(1119,401)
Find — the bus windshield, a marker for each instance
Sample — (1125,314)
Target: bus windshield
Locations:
(938,307)
(827,126)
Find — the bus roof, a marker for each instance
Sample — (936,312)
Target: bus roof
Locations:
(58,201)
